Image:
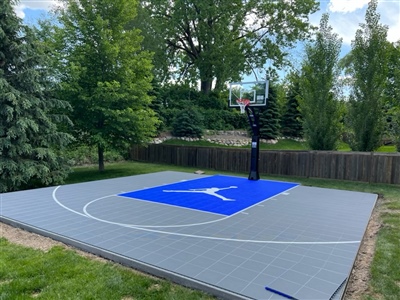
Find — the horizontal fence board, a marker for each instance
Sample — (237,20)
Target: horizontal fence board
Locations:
(355,166)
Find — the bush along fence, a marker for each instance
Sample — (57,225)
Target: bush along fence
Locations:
(355,166)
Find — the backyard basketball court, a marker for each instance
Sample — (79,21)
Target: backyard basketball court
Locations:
(229,236)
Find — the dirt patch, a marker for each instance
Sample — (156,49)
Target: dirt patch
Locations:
(358,283)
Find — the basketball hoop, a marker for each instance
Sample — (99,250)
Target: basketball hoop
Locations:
(242,104)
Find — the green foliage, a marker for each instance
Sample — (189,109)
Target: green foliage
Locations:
(152,41)
(168,115)
(215,119)
(30,139)
(178,96)
(214,40)
(212,100)
(291,119)
(79,155)
(175,99)
(319,105)
(392,92)
(269,117)
(188,123)
(105,74)
(368,69)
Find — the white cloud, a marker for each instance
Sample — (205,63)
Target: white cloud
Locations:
(390,15)
(345,17)
(394,33)
(39,4)
(346,26)
(346,6)
(35,4)
(19,10)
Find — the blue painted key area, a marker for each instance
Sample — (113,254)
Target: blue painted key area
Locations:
(225,195)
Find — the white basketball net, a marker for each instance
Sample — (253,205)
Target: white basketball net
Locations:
(242,104)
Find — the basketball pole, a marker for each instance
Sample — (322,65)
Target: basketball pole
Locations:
(255,142)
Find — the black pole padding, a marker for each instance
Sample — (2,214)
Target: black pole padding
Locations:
(255,143)
(255,150)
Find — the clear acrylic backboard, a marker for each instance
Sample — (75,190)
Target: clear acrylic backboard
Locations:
(255,91)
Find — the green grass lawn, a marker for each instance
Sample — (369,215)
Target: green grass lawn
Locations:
(62,274)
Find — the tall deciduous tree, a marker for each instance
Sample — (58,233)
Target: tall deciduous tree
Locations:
(393,93)
(106,76)
(368,69)
(319,105)
(219,40)
(29,115)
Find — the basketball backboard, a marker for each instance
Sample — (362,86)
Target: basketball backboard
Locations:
(255,91)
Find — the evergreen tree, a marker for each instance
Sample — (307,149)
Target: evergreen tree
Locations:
(188,123)
(269,117)
(291,119)
(29,138)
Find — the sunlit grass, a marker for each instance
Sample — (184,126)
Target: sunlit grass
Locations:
(62,274)
(387,148)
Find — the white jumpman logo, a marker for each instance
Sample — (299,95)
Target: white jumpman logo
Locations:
(209,191)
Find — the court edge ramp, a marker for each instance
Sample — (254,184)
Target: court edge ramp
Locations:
(123,260)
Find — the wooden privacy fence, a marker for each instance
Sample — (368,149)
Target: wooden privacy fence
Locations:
(356,166)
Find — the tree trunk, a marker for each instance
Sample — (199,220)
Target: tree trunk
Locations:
(100,151)
(219,85)
(206,86)
(206,77)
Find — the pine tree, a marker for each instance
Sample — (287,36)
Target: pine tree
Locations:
(291,119)
(29,138)
(269,117)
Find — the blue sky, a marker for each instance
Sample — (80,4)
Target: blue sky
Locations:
(345,17)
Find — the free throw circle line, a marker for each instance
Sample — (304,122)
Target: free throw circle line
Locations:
(191,235)
(143,226)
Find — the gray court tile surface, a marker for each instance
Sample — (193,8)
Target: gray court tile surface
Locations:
(301,243)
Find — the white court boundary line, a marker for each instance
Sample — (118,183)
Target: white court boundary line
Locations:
(190,235)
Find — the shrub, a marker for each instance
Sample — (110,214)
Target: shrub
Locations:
(168,115)
(188,123)
(87,155)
